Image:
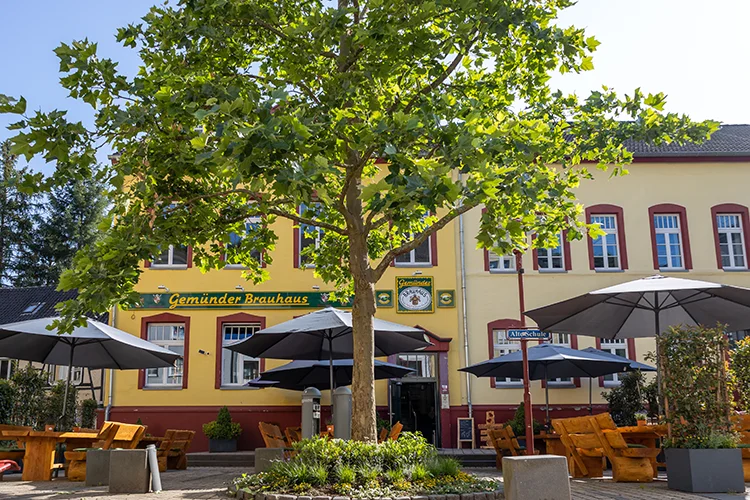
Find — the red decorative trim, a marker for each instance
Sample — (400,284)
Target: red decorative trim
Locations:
(599,346)
(534,254)
(671,208)
(730,208)
(631,349)
(146,264)
(167,318)
(296,243)
(606,209)
(189,257)
(439,344)
(233,318)
(499,324)
(433,250)
(566,253)
(486,252)
(689,159)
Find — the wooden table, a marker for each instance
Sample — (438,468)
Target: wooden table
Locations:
(39,459)
(552,444)
(646,435)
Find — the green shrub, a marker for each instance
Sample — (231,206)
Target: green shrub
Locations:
(292,472)
(419,473)
(741,371)
(346,474)
(394,475)
(7,401)
(443,466)
(29,384)
(88,413)
(367,474)
(518,423)
(222,427)
(53,407)
(319,475)
(628,399)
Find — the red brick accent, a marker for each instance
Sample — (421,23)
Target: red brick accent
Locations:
(240,317)
(730,208)
(167,318)
(671,208)
(606,209)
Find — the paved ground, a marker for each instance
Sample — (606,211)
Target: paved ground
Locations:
(211,483)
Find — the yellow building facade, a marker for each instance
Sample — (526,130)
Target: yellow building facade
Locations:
(680,211)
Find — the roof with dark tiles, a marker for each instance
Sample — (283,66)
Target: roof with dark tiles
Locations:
(727,141)
(21,304)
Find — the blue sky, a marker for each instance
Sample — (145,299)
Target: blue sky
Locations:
(693,50)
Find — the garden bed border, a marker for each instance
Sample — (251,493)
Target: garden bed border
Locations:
(246,494)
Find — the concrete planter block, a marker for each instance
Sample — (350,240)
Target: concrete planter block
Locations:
(451,497)
(264,458)
(287,497)
(271,496)
(705,471)
(321,498)
(129,472)
(539,477)
(260,496)
(340,498)
(97,467)
(304,498)
(467,496)
(418,498)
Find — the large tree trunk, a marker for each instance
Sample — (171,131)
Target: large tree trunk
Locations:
(363,384)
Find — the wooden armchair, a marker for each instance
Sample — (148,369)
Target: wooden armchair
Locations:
(272,436)
(128,436)
(742,426)
(177,454)
(584,452)
(18,452)
(504,441)
(76,458)
(293,435)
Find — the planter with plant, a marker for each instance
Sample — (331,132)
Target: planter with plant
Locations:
(631,397)
(640,419)
(741,372)
(222,433)
(407,467)
(701,448)
(518,424)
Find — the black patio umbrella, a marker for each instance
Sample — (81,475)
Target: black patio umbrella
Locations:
(548,361)
(94,345)
(299,375)
(632,367)
(327,334)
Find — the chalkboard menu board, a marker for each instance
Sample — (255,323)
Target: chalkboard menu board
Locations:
(465,431)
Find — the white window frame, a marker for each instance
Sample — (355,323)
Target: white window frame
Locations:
(548,257)
(6,373)
(729,229)
(563,340)
(238,359)
(425,361)
(249,222)
(505,263)
(317,231)
(170,259)
(666,231)
(413,253)
(609,229)
(172,371)
(612,346)
(502,345)
(75,379)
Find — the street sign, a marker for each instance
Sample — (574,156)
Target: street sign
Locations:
(528,334)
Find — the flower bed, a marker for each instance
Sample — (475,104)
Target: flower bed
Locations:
(325,468)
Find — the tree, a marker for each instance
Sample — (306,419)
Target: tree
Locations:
(17,214)
(69,223)
(385,120)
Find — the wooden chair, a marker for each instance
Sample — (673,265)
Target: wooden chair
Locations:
(177,454)
(128,436)
(18,452)
(742,426)
(272,436)
(504,441)
(395,431)
(162,453)
(293,434)
(76,459)
(383,435)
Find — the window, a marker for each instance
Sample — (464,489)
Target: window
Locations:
(6,368)
(561,339)
(424,364)
(731,241)
(307,237)
(76,377)
(175,256)
(237,369)
(668,241)
(420,256)
(500,263)
(551,259)
(605,248)
(33,308)
(615,346)
(502,346)
(252,224)
(170,336)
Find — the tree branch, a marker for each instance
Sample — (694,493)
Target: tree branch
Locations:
(303,220)
(411,245)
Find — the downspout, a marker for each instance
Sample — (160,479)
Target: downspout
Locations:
(110,386)
(464,320)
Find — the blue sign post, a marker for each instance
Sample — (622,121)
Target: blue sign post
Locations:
(528,334)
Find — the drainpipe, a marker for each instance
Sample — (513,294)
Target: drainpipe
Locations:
(464,320)
(108,409)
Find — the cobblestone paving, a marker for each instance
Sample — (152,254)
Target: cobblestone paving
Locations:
(211,483)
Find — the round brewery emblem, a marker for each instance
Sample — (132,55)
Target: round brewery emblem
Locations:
(414,298)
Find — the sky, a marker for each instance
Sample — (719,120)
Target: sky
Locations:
(695,51)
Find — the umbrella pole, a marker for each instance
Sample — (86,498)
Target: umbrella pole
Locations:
(591,405)
(546,395)
(330,370)
(67,383)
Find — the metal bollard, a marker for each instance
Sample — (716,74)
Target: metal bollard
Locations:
(153,463)
(342,413)
(310,413)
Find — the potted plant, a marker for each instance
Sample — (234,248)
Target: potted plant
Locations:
(640,419)
(518,424)
(701,449)
(222,433)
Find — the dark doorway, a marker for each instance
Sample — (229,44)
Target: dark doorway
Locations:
(414,404)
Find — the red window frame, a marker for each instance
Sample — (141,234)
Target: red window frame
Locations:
(167,318)
(499,324)
(568,264)
(607,209)
(241,317)
(730,209)
(671,208)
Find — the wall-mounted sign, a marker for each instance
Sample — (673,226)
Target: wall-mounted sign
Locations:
(414,294)
(446,298)
(528,334)
(384,298)
(244,300)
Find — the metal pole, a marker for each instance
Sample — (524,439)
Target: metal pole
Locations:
(330,369)
(464,307)
(524,350)
(67,384)
(546,394)
(591,405)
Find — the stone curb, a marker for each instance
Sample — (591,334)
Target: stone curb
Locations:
(245,494)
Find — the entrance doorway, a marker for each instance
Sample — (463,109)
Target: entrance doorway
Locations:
(414,399)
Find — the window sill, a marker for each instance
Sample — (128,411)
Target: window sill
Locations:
(508,271)
(508,386)
(553,271)
(610,385)
(609,270)
(735,270)
(168,266)
(412,264)
(235,267)
(674,270)
(162,388)
(561,385)
(239,388)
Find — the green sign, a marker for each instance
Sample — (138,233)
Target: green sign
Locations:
(446,298)
(384,298)
(414,294)
(248,300)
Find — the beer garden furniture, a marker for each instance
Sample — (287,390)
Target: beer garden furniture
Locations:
(504,441)
(76,457)
(742,426)
(39,457)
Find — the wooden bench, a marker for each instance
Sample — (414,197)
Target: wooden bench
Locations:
(489,423)
(128,436)
(590,438)
(76,459)
(179,444)
(272,436)
(18,452)
(504,441)
(293,435)
(742,426)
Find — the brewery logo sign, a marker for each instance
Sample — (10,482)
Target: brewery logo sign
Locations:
(415,294)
